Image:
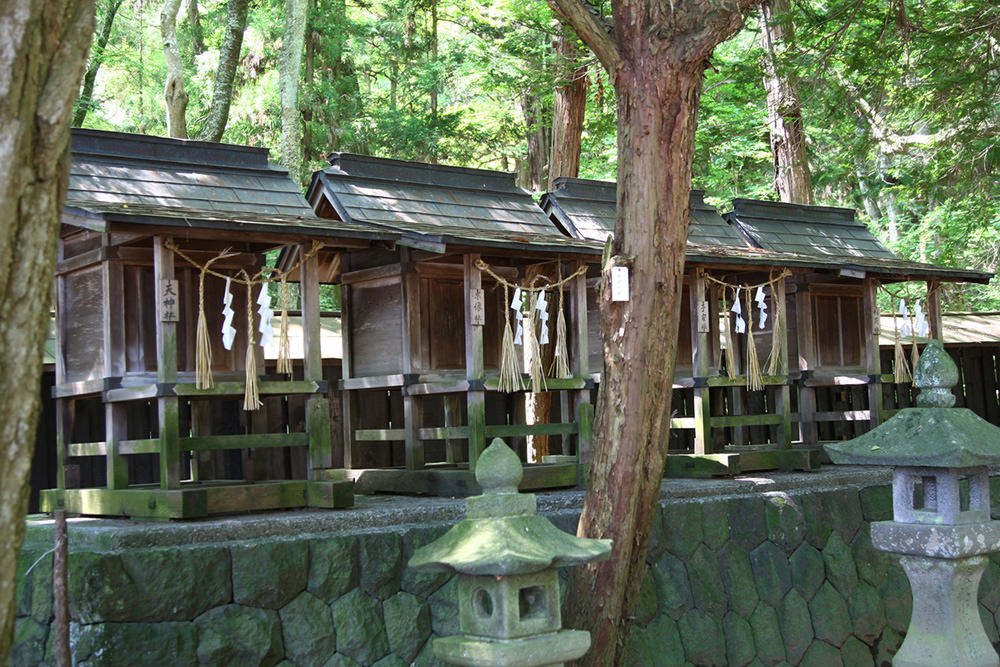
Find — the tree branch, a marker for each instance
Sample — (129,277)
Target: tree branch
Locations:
(593,29)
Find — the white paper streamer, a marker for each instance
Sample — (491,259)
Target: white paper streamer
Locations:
(266,315)
(739,324)
(904,329)
(515,303)
(763,319)
(543,339)
(923,327)
(520,331)
(228,331)
(540,304)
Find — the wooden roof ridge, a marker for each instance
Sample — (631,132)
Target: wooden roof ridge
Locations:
(607,192)
(405,172)
(124,146)
(786,211)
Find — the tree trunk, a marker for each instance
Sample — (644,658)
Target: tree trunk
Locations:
(655,55)
(85,102)
(784,112)
(173,92)
(288,84)
(197,34)
(229,58)
(41,63)
(568,111)
(537,128)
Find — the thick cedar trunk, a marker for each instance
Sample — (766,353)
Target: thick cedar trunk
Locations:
(537,128)
(568,111)
(85,102)
(288,85)
(174,95)
(42,57)
(784,112)
(229,58)
(655,55)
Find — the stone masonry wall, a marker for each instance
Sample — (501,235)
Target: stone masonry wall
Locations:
(764,579)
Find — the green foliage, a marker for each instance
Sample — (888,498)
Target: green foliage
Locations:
(899,101)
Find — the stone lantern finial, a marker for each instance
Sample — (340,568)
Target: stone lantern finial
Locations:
(935,375)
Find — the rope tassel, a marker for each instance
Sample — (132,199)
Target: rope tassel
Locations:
(510,371)
(203,344)
(755,382)
(251,395)
(284,364)
(731,369)
(777,334)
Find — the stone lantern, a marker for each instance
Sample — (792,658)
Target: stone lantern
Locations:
(941,513)
(508,587)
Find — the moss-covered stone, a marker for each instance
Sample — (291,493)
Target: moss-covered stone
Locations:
(842,509)
(420,583)
(659,644)
(29,642)
(700,634)
(816,521)
(867,613)
(989,624)
(989,586)
(271,573)
(672,586)
(897,599)
(771,573)
(647,607)
(747,526)
(444,609)
(830,619)
(238,635)
(340,660)
(657,539)
(821,654)
(840,568)
(426,657)
(360,629)
(737,578)
(382,555)
(706,584)
(740,647)
(785,524)
(126,644)
(855,653)
(147,585)
(796,626)
(391,660)
(808,570)
(715,524)
(767,634)
(33,593)
(876,503)
(334,567)
(307,630)
(871,563)
(888,645)
(682,528)
(407,624)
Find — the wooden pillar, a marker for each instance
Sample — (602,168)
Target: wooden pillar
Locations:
(873,360)
(166,368)
(349,416)
(783,393)
(934,310)
(452,417)
(580,366)
(115,423)
(317,407)
(699,361)
(806,362)
(409,285)
(474,366)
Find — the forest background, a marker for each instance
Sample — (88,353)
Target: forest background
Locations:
(898,100)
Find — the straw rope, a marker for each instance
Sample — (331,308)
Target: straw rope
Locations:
(731,370)
(510,372)
(755,382)
(561,359)
(203,344)
(251,394)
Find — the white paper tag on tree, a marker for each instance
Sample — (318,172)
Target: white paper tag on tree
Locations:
(619,283)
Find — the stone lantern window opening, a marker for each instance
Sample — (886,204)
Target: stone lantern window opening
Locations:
(947,496)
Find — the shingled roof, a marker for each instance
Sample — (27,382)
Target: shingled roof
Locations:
(811,230)
(155,180)
(586,209)
(436,203)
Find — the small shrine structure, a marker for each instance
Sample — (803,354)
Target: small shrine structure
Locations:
(163,246)
(782,303)
(429,371)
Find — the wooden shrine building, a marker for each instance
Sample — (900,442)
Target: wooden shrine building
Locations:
(143,215)
(423,323)
(818,270)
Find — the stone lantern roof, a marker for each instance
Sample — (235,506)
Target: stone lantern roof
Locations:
(934,434)
(502,535)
